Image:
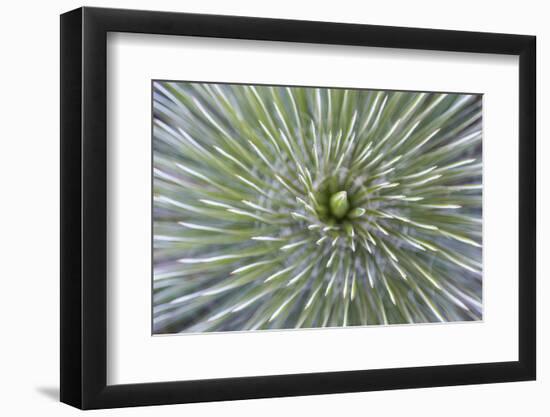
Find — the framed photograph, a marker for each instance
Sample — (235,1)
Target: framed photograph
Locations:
(257,208)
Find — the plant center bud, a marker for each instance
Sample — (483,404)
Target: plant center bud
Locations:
(339,204)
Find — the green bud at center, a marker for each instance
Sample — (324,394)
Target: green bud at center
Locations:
(339,204)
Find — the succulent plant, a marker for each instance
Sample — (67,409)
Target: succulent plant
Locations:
(291,207)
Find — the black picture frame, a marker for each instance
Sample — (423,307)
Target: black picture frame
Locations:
(84,207)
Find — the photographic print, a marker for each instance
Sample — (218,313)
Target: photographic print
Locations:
(284,207)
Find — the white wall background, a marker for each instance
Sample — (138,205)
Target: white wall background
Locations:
(29,176)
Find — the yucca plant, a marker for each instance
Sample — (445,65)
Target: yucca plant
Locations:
(291,207)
